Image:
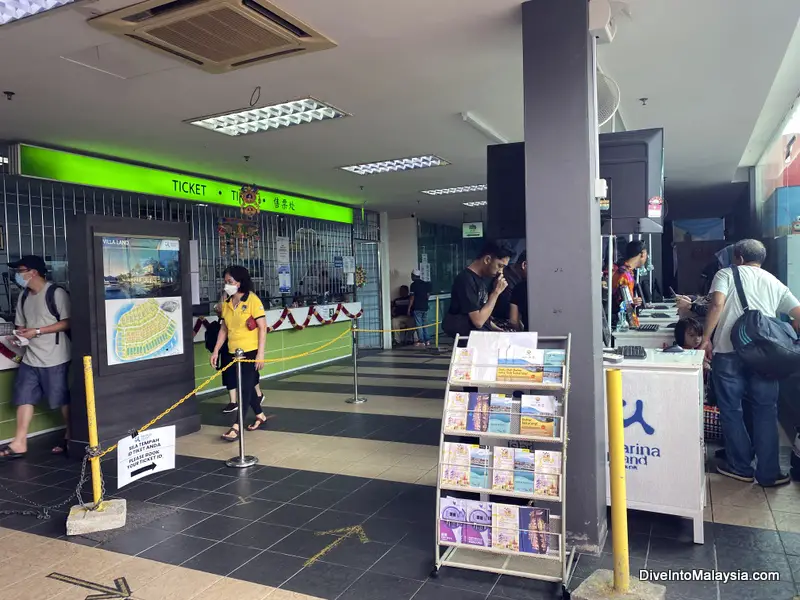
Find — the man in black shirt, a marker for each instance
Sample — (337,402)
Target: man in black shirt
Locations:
(401,309)
(420,290)
(471,303)
(518,313)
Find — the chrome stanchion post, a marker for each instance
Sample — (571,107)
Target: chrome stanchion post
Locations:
(241,461)
(356,399)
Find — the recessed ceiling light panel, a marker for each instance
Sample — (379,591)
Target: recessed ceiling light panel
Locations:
(14,10)
(397,164)
(474,204)
(269,118)
(456,190)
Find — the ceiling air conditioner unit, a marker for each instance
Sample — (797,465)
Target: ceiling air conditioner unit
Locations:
(214,35)
(601,21)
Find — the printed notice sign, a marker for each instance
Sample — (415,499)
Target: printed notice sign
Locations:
(151,451)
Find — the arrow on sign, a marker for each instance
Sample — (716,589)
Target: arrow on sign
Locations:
(344,533)
(122,591)
(150,467)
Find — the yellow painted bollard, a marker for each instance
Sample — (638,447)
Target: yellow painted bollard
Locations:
(616,451)
(437,323)
(91,415)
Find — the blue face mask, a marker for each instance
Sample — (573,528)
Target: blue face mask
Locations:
(20,280)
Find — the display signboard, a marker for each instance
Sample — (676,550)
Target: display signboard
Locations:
(660,435)
(150,452)
(58,165)
(472,230)
(142,290)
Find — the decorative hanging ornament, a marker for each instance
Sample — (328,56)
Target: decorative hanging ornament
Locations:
(248,198)
(361,276)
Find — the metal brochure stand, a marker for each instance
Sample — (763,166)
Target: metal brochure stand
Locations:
(555,564)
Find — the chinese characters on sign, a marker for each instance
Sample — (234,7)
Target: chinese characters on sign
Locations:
(283,204)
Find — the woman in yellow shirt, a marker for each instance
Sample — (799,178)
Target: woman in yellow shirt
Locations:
(244,327)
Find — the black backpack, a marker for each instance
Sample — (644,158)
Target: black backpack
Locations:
(212,333)
(765,344)
(50,302)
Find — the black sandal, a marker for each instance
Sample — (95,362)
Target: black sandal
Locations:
(61,449)
(6,453)
(227,435)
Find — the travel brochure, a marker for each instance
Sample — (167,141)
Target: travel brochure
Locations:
(535,472)
(507,357)
(494,525)
(534,416)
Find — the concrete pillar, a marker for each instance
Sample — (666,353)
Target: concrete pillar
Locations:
(386,292)
(563,235)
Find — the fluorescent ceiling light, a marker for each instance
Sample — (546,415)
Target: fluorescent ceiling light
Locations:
(456,190)
(268,118)
(397,164)
(474,204)
(14,10)
(485,129)
(3,160)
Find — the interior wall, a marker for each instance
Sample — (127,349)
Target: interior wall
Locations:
(402,252)
(730,201)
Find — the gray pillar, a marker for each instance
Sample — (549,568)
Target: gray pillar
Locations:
(563,235)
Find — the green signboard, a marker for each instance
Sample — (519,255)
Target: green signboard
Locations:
(57,165)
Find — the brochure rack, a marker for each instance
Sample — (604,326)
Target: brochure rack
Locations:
(553,560)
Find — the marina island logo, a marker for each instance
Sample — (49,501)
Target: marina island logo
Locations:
(638,417)
(637,455)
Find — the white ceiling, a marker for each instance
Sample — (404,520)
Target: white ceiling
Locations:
(405,70)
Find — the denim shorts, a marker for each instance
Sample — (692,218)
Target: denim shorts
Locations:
(34,383)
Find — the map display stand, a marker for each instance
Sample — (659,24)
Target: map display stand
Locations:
(498,539)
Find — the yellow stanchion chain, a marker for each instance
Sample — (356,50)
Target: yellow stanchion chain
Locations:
(219,373)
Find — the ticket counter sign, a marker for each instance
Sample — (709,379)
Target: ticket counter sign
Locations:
(151,451)
(78,169)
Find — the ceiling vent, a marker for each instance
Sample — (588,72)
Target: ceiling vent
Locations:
(214,35)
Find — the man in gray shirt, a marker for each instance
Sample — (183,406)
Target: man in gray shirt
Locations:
(42,323)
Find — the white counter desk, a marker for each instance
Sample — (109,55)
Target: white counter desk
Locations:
(662,338)
(664,448)
(644,319)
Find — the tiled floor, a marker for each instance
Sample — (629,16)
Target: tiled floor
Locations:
(248,535)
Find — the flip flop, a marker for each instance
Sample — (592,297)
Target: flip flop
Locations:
(6,453)
(227,435)
(258,423)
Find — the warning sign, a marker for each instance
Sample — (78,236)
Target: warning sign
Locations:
(151,451)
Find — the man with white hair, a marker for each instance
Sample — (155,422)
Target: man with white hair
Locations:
(734,384)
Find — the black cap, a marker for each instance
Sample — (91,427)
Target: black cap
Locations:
(33,262)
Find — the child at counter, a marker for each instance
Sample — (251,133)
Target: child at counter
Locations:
(689,336)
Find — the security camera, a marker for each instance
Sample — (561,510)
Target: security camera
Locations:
(9,95)
(413,215)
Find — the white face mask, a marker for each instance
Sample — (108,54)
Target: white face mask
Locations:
(231,289)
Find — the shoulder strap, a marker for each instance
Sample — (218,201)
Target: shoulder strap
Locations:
(50,300)
(737,279)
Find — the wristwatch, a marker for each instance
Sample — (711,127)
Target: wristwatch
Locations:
(38,332)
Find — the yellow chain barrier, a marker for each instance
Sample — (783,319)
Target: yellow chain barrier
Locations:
(219,373)
(397,330)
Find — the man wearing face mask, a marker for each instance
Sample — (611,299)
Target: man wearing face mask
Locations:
(41,325)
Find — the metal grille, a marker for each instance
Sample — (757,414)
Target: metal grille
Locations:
(33,221)
(366,253)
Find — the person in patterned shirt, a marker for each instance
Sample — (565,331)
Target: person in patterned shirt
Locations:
(623,281)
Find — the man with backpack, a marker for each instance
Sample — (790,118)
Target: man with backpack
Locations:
(42,328)
(734,382)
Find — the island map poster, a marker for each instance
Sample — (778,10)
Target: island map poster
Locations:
(142,284)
